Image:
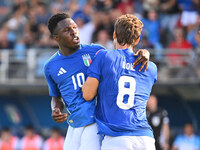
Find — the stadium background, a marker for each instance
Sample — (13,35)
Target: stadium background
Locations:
(25,44)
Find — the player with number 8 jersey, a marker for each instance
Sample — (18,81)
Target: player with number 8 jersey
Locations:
(122,94)
(122,91)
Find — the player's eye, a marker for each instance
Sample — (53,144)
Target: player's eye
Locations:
(66,30)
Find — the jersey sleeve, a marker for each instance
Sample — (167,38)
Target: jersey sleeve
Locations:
(96,66)
(53,90)
(165,117)
(154,72)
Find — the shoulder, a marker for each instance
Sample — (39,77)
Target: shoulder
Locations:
(152,68)
(93,47)
(180,137)
(51,59)
(48,63)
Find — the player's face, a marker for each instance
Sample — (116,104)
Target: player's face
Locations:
(67,34)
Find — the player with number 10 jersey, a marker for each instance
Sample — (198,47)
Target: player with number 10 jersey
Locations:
(65,76)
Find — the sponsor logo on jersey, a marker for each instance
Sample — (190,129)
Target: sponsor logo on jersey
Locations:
(87,59)
(61,71)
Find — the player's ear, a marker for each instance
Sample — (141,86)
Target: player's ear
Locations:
(55,37)
(137,41)
(114,35)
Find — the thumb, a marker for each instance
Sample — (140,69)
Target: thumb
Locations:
(57,110)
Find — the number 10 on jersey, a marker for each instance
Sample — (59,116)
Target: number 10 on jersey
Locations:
(80,78)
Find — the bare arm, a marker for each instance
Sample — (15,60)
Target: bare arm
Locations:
(89,88)
(174,148)
(166,135)
(57,107)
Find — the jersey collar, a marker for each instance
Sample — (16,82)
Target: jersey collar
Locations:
(59,53)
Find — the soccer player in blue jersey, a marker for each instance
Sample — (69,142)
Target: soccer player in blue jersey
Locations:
(65,73)
(122,91)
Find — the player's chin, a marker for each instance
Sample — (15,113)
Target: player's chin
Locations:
(76,45)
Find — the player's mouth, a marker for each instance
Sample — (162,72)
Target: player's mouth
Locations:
(76,40)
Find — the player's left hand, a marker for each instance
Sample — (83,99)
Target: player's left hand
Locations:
(143,58)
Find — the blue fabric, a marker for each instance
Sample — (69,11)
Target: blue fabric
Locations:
(65,76)
(120,110)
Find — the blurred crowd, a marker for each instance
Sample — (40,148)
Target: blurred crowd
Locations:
(31,140)
(168,24)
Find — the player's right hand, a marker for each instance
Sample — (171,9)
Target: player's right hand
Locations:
(58,116)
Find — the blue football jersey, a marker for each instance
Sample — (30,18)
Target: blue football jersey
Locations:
(122,93)
(65,76)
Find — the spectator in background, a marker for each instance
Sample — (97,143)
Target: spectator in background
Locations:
(178,46)
(192,32)
(42,13)
(188,140)
(4,41)
(152,31)
(55,141)
(159,121)
(85,25)
(169,16)
(8,141)
(31,140)
(31,30)
(150,5)
(104,40)
(17,23)
(189,12)
(125,5)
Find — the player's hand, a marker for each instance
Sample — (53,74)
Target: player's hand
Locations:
(58,116)
(166,146)
(143,58)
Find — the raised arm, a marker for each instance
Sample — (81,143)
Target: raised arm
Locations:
(57,107)
(89,88)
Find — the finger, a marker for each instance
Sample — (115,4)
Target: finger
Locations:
(141,67)
(137,61)
(60,118)
(137,53)
(146,67)
(57,110)
(60,121)
(58,115)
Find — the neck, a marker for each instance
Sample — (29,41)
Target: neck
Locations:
(118,46)
(66,51)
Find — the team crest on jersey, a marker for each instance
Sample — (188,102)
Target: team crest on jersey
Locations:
(87,59)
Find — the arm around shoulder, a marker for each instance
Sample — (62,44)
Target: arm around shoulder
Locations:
(89,88)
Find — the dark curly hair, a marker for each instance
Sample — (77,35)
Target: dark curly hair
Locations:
(53,21)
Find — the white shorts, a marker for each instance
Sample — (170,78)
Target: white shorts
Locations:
(83,138)
(128,143)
